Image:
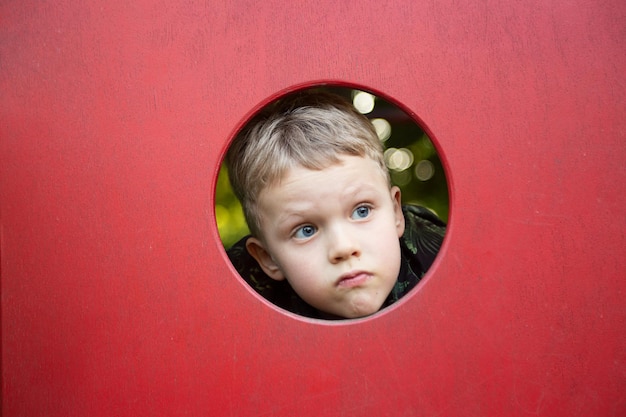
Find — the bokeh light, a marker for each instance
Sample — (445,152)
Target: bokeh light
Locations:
(398,159)
(424,170)
(363,102)
(383,128)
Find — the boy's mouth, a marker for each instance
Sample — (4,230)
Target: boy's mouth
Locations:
(353,279)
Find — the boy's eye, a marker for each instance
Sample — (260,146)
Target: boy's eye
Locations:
(360,212)
(305,232)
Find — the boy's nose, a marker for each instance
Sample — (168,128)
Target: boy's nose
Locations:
(342,245)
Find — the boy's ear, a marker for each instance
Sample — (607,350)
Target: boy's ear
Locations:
(396,197)
(257,250)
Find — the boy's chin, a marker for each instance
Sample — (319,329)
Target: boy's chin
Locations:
(360,309)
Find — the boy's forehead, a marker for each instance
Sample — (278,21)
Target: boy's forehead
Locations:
(297,175)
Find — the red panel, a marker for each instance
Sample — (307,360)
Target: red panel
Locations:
(117,298)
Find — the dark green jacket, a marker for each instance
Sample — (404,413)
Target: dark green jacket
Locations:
(420,243)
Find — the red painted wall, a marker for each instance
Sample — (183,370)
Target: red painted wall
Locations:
(117,298)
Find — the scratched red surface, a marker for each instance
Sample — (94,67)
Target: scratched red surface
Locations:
(117,298)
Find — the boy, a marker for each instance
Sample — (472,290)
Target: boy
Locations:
(328,236)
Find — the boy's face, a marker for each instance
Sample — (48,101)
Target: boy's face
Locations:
(333,234)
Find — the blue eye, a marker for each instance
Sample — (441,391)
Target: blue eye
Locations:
(361,212)
(305,232)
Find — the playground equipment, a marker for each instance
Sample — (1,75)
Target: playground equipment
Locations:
(118,298)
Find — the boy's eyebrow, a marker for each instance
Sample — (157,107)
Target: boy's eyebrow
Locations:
(364,190)
(287,221)
(298,212)
(358,188)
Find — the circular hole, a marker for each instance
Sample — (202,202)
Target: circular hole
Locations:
(298,223)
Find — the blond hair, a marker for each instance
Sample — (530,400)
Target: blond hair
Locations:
(308,129)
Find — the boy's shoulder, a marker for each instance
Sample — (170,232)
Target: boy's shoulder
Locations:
(419,244)
(423,234)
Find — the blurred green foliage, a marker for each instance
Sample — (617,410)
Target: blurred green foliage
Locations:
(405,133)
(231,223)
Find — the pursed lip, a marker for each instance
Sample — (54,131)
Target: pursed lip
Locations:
(353,279)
